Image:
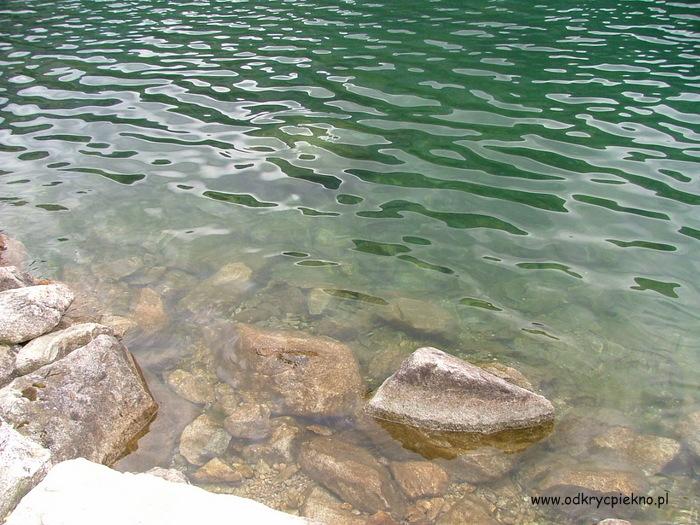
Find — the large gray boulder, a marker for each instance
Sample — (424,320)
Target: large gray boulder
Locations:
(55,345)
(295,373)
(92,403)
(11,277)
(22,465)
(435,391)
(79,492)
(26,313)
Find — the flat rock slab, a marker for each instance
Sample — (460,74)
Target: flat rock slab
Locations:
(91,404)
(22,465)
(79,492)
(26,313)
(55,345)
(295,373)
(435,391)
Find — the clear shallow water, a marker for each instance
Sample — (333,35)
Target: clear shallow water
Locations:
(529,172)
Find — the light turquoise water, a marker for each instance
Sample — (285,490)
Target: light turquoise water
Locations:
(528,171)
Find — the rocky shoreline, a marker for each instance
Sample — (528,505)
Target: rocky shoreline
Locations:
(281,416)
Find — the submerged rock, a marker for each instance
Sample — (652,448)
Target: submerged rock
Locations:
(119,325)
(26,313)
(650,453)
(170,474)
(92,403)
(593,481)
(149,311)
(55,345)
(435,391)
(224,287)
(196,386)
(689,429)
(295,373)
(202,440)
(12,252)
(281,445)
(323,507)
(249,421)
(351,473)
(420,479)
(483,465)
(424,316)
(216,471)
(468,510)
(23,463)
(79,492)
(11,278)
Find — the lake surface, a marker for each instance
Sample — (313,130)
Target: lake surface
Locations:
(507,181)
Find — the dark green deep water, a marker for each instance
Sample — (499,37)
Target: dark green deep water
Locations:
(527,171)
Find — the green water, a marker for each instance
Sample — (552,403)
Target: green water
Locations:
(528,172)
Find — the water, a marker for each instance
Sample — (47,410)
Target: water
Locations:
(528,173)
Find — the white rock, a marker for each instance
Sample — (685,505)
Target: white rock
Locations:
(55,345)
(22,465)
(26,313)
(79,492)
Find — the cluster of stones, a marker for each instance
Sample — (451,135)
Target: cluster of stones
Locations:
(68,393)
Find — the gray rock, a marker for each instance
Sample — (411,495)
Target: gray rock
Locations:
(433,390)
(11,278)
(23,463)
(351,473)
(92,403)
(202,440)
(55,345)
(295,373)
(78,492)
(7,363)
(26,313)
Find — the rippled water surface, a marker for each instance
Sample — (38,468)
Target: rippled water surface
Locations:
(526,173)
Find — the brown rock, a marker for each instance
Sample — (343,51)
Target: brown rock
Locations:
(92,403)
(149,311)
(295,373)
(468,510)
(196,386)
(249,421)
(203,439)
(351,473)
(12,252)
(420,479)
(595,481)
(651,453)
(482,465)
(281,444)
(216,471)
(322,507)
